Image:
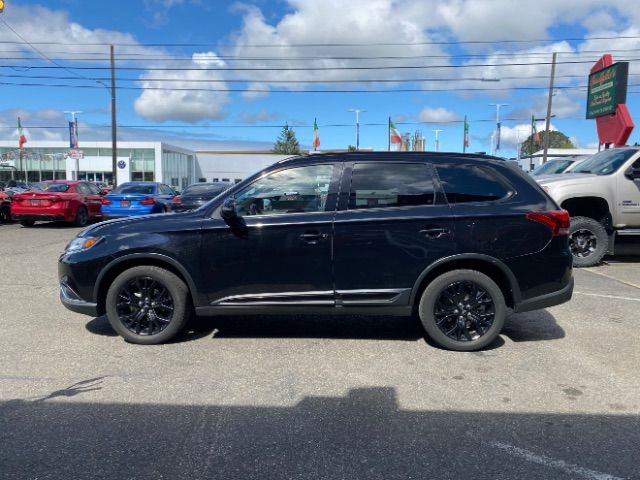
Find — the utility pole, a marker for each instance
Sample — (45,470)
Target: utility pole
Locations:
(437,141)
(114,139)
(357,111)
(75,124)
(496,145)
(549,102)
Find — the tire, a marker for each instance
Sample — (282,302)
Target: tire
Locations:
(438,310)
(82,217)
(588,241)
(27,223)
(130,319)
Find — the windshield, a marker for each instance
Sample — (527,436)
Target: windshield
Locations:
(605,162)
(554,166)
(136,189)
(209,190)
(55,187)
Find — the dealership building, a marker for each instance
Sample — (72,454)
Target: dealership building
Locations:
(150,161)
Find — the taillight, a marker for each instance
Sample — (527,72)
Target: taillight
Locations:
(105,201)
(148,201)
(177,199)
(557,221)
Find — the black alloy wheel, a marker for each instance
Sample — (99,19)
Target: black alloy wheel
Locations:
(588,241)
(583,243)
(82,217)
(148,304)
(145,306)
(464,311)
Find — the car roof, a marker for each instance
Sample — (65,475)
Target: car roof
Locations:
(65,182)
(139,183)
(434,157)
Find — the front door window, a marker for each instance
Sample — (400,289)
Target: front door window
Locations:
(294,190)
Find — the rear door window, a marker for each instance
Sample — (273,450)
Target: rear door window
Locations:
(385,185)
(470,183)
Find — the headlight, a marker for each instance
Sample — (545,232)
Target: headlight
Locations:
(80,244)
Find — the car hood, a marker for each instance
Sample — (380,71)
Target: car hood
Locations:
(568,179)
(142,223)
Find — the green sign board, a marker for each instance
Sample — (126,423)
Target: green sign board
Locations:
(607,88)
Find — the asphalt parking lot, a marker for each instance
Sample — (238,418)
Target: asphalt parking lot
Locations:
(557,396)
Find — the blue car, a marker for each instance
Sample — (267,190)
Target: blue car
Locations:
(137,198)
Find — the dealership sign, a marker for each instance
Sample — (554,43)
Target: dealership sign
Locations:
(606,99)
(607,88)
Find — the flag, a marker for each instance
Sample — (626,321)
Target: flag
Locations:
(73,135)
(22,138)
(498,136)
(534,131)
(394,135)
(465,143)
(316,135)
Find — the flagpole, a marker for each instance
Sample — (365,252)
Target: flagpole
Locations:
(464,135)
(389,135)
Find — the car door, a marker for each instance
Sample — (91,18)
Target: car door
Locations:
(390,226)
(628,195)
(280,251)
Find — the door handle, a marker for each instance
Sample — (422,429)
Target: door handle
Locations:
(435,232)
(313,237)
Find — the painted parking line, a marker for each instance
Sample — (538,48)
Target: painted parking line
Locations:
(553,463)
(613,297)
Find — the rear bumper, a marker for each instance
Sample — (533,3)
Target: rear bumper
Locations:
(44,217)
(547,300)
(127,212)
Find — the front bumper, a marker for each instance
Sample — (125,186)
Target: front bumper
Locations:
(547,300)
(72,301)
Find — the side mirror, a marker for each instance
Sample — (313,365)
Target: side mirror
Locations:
(228,210)
(632,173)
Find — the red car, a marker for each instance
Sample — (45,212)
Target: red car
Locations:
(61,200)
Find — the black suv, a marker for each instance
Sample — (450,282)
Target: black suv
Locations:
(456,239)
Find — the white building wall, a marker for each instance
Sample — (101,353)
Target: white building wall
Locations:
(233,165)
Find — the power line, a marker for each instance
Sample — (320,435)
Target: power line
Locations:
(165,57)
(343,44)
(323,68)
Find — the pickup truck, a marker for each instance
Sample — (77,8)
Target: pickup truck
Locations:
(602,196)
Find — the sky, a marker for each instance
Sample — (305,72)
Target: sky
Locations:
(228,75)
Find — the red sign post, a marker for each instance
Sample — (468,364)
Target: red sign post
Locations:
(613,128)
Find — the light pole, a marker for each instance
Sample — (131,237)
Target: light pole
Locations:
(437,141)
(357,111)
(75,126)
(114,136)
(495,147)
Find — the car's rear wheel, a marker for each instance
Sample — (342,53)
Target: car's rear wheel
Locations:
(27,223)
(148,305)
(82,217)
(462,310)
(588,241)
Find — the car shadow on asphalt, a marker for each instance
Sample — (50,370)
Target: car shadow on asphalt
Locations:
(364,434)
(525,327)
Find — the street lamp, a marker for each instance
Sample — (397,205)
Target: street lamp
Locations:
(437,141)
(357,112)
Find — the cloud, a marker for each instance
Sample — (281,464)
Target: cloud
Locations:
(158,10)
(511,136)
(259,116)
(183,105)
(437,115)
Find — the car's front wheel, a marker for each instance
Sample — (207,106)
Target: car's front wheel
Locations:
(148,305)
(462,310)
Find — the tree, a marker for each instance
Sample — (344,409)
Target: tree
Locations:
(287,143)
(556,140)
(351,148)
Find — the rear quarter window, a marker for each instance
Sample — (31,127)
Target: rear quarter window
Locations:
(471,183)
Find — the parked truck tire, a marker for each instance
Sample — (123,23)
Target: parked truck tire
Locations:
(588,241)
